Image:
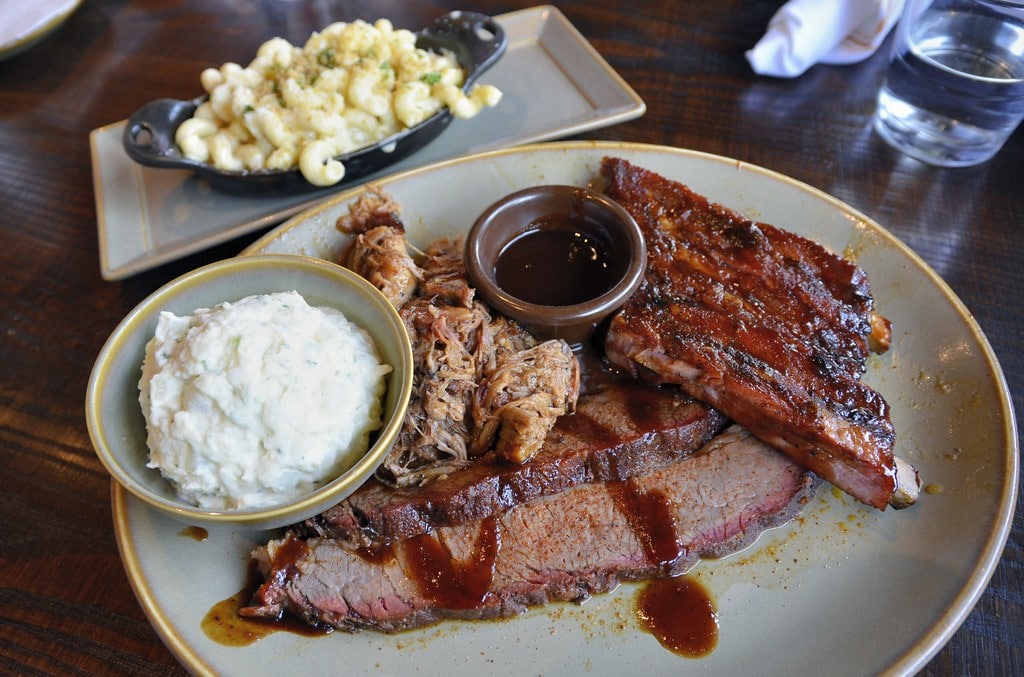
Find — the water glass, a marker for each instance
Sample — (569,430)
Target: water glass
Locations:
(954,91)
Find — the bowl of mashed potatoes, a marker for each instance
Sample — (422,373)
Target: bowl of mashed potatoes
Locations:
(255,391)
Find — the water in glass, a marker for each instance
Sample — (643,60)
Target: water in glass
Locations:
(955,89)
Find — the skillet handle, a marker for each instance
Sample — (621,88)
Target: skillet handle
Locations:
(148,136)
(476,39)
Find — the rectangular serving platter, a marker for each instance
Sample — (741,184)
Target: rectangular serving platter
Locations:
(554,82)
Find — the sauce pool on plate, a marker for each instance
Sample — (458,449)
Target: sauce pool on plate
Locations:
(680,614)
(223,624)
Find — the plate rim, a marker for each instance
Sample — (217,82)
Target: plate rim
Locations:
(38,31)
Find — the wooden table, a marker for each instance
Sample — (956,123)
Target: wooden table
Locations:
(65,602)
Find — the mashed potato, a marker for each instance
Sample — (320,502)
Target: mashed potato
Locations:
(251,403)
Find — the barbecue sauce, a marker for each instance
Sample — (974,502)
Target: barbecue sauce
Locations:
(650,518)
(556,262)
(377,554)
(224,625)
(680,614)
(447,581)
(677,611)
(195,533)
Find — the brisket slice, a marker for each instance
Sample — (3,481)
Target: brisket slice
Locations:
(565,547)
(618,430)
(764,325)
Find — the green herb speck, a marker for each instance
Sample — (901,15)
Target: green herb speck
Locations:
(327,58)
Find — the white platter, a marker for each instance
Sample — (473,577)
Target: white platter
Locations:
(844,589)
(23,23)
(554,83)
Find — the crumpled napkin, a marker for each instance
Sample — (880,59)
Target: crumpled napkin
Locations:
(805,32)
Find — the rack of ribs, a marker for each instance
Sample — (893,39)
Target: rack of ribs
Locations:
(766,326)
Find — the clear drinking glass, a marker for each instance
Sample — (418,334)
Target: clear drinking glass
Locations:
(954,91)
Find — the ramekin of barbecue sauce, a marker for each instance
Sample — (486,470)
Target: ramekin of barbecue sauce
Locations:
(558,259)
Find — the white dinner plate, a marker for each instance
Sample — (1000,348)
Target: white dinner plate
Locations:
(23,23)
(842,589)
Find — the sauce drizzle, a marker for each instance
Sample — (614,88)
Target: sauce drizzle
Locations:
(651,520)
(378,554)
(451,582)
(677,611)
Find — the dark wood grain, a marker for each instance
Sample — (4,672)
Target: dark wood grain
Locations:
(66,606)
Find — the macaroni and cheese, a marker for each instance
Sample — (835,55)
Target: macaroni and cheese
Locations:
(350,86)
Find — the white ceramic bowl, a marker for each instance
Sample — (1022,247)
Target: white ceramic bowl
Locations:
(114,416)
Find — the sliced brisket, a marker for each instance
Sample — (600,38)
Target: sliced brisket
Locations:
(581,541)
(619,430)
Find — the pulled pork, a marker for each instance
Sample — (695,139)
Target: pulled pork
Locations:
(521,397)
(482,384)
(378,251)
(380,256)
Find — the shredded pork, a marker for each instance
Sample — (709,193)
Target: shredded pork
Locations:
(380,256)
(521,396)
(482,384)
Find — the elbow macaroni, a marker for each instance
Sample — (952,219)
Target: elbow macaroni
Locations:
(350,85)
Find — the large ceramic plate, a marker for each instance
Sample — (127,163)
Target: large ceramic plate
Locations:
(23,24)
(843,589)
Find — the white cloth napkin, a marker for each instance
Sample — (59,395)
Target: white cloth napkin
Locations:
(805,32)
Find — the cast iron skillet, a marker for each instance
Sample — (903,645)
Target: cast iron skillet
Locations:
(476,40)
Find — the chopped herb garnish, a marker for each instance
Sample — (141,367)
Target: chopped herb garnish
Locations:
(277,92)
(327,58)
(431,78)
